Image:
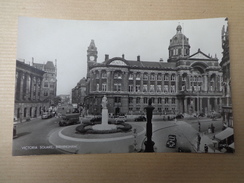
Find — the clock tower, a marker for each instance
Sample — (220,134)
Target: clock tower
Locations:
(91,56)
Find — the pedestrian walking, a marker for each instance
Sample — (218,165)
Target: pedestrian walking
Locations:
(212,127)
(199,126)
(206,148)
(199,138)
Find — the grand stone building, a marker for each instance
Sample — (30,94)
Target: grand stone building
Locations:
(225,64)
(29,101)
(49,84)
(186,83)
(79,93)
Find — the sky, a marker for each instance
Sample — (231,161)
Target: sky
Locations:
(67,41)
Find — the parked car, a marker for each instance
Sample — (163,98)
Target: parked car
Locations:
(140,118)
(179,116)
(171,142)
(120,119)
(46,115)
(96,119)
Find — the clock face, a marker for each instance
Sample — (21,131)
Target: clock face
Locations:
(92,58)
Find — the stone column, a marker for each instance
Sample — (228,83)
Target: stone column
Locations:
(108,80)
(209,107)
(100,80)
(216,104)
(200,104)
(205,83)
(112,81)
(91,81)
(33,88)
(169,83)
(162,82)
(142,81)
(176,83)
(185,105)
(134,82)
(21,86)
(37,88)
(125,81)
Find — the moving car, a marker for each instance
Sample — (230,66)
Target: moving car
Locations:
(141,118)
(171,142)
(69,119)
(46,115)
(120,119)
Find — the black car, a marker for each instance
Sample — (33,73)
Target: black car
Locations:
(179,116)
(141,118)
(171,142)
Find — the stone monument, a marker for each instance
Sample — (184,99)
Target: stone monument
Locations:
(104,125)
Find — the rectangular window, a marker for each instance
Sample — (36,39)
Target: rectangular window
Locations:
(183,78)
(172,88)
(151,88)
(117,99)
(183,87)
(117,87)
(130,100)
(138,88)
(159,88)
(97,87)
(166,101)
(159,100)
(46,84)
(159,109)
(137,100)
(145,100)
(104,87)
(131,77)
(144,88)
(104,75)
(173,100)
(145,77)
(130,88)
(173,77)
(152,78)
(159,78)
(166,88)
(138,77)
(166,77)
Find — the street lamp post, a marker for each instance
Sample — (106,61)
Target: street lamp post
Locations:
(149,143)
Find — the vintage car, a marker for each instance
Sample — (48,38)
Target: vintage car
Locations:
(46,115)
(140,118)
(120,119)
(69,119)
(171,142)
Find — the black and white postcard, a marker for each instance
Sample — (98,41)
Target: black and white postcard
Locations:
(92,87)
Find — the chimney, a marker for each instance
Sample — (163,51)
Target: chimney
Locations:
(138,58)
(106,57)
(123,56)
(161,60)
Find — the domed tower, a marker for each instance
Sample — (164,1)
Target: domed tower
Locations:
(91,56)
(179,46)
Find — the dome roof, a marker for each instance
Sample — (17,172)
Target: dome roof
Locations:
(179,38)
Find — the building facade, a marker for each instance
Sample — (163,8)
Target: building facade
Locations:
(49,83)
(184,84)
(79,93)
(225,64)
(29,101)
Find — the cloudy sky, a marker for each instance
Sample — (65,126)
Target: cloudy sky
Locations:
(68,40)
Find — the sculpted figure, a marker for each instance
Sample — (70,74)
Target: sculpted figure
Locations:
(104,102)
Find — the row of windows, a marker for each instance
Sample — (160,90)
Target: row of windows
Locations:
(151,88)
(154,100)
(166,109)
(138,76)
